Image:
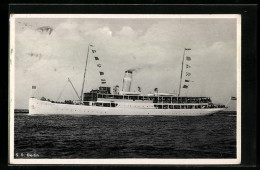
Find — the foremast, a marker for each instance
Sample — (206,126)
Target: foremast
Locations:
(83,83)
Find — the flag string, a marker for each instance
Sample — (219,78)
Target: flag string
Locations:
(99,67)
(188,74)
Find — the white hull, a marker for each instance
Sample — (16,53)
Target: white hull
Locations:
(43,107)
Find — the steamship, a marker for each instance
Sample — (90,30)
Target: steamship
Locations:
(102,101)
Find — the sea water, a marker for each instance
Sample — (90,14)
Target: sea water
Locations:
(77,136)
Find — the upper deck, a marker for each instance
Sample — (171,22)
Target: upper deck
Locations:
(93,96)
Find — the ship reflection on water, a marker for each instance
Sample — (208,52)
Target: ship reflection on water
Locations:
(77,136)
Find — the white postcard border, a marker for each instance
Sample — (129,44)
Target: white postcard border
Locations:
(13,160)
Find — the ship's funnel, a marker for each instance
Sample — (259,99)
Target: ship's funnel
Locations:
(127,81)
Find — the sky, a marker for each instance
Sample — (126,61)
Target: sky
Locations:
(46,58)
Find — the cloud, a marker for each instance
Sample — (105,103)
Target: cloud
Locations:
(127,32)
(154,47)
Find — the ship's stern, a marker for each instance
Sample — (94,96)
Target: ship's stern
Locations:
(32,105)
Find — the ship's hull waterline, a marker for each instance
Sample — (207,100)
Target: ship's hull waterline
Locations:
(44,107)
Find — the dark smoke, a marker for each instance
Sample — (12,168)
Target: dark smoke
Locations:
(134,69)
(141,67)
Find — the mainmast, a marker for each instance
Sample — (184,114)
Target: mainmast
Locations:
(185,49)
(81,95)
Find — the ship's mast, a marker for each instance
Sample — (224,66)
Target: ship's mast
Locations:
(182,70)
(81,95)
